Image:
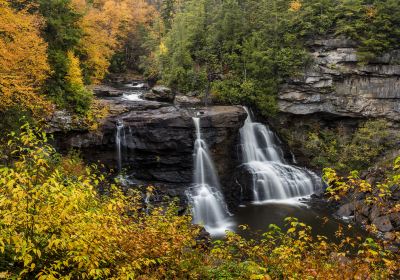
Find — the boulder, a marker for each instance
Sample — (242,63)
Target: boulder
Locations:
(390,236)
(383,224)
(107,91)
(346,210)
(375,213)
(161,94)
(187,101)
(395,219)
(395,190)
(362,208)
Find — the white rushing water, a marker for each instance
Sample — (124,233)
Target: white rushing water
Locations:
(132,96)
(119,139)
(208,204)
(273,177)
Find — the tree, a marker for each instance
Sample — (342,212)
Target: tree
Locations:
(23,62)
(62,33)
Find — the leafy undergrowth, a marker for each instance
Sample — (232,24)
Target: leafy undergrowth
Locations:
(371,200)
(55,225)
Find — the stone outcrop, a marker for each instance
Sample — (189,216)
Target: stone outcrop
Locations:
(337,84)
(160,93)
(157,141)
(107,91)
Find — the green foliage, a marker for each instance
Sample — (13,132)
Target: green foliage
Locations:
(334,148)
(373,24)
(227,47)
(62,33)
(377,195)
(167,12)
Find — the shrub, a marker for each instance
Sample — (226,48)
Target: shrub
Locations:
(340,150)
(53,223)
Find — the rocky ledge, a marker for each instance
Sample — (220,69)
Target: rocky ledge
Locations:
(338,84)
(157,141)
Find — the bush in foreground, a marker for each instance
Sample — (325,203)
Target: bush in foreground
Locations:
(55,225)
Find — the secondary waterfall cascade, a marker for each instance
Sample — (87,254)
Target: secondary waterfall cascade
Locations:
(209,207)
(273,177)
(119,139)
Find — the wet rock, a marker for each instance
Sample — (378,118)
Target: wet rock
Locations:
(139,85)
(390,236)
(107,91)
(383,224)
(346,210)
(375,213)
(395,219)
(184,100)
(161,94)
(362,208)
(157,142)
(203,240)
(244,181)
(395,190)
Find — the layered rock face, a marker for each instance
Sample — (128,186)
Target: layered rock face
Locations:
(157,141)
(337,84)
(336,91)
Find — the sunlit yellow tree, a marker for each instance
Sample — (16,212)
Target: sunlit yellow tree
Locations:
(23,61)
(54,224)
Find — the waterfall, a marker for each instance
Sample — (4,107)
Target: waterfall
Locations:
(119,138)
(273,177)
(208,204)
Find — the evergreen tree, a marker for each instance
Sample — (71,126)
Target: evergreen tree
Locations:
(62,33)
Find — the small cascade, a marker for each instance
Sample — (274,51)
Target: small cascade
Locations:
(209,207)
(119,139)
(273,177)
(147,201)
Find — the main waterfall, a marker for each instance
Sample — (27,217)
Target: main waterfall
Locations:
(273,177)
(209,207)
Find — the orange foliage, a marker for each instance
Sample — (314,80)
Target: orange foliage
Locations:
(371,12)
(23,61)
(295,5)
(106,24)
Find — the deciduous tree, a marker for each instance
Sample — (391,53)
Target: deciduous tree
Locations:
(23,61)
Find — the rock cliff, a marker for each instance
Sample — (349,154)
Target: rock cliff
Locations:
(337,83)
(338,92)
(157,141)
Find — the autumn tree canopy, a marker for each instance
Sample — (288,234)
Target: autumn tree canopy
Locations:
(43,41)
(23,60)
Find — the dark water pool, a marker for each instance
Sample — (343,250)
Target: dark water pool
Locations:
(259,216)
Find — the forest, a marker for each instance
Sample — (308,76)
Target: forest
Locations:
(132,129)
